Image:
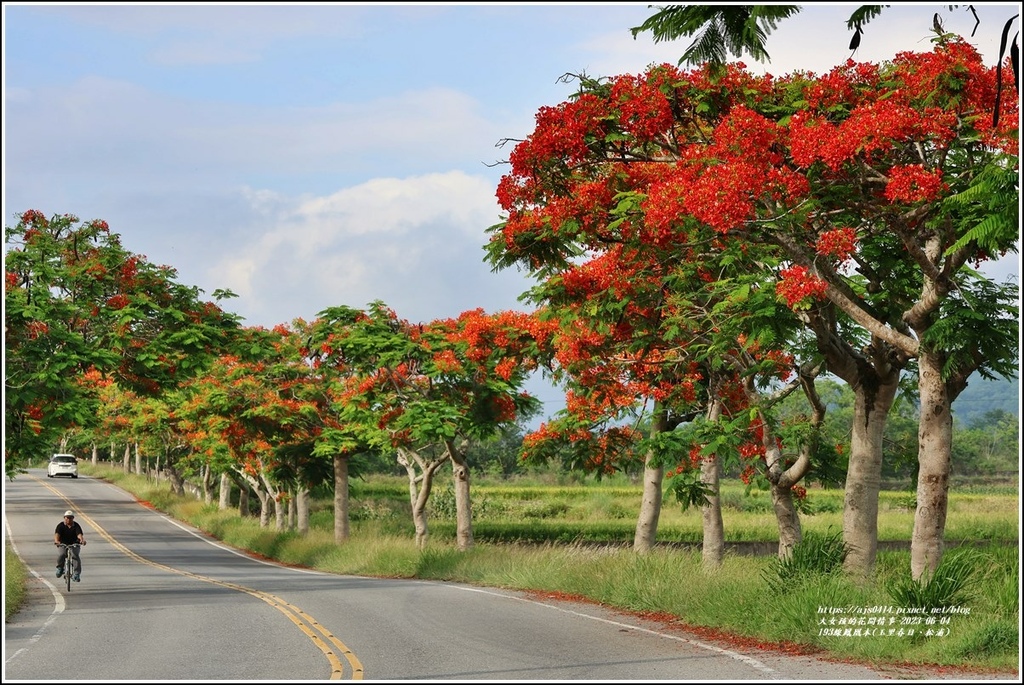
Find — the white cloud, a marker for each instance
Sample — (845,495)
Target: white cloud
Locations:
(113,121)
(390,239)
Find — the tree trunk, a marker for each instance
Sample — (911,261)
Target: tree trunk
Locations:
(782,481)
(463,503)
(293,509)
(302,510)
(243,501)
(225,492)
(713,547)
(138,460)
(418,496)
(266,503)
(864,474)
(177,483)
(127,457)
(95,455)
(788,518)
(781,478)
(341,529)
(207,484)
(654,476)
(935,439)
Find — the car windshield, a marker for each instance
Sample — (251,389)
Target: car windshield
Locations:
(63,459)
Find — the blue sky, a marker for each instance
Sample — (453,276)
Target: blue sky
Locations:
(312,155)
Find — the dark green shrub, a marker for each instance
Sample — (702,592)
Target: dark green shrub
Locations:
(1001,637)
(815,555)
(949,586)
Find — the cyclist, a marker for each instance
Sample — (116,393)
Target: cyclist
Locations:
(68,532)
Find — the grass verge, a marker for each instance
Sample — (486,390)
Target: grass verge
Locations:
(15,583)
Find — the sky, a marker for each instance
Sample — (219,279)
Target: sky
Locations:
(309,155)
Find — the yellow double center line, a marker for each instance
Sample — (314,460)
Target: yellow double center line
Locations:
(326,642)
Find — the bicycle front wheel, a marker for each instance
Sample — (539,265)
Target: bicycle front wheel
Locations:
(68,567)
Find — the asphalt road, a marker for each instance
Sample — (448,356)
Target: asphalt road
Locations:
(161,601)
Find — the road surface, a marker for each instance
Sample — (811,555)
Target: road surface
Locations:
(160,600)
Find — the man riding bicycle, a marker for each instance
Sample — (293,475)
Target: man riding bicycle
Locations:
(68,532)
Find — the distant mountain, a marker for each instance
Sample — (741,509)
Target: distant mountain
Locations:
(982,396)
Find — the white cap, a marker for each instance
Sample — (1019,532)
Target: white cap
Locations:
(69,513)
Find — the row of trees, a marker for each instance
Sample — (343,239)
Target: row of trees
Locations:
(696,236)
(704,248)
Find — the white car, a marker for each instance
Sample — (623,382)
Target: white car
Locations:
(62,465)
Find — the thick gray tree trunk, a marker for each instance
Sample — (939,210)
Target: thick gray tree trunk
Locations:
(177,482)
(302,510)
(654,477)
(463,502)
(935,440)
(207,484)
(127,457)
(713,547)
(864,475)
(224,501)
(421,472)
(95,455)
(138,460)
(788,518)
(263,492)
(782,478)
(292,510)
(265,506)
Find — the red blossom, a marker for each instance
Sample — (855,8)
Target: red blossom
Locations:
(913,183)
(839,243)
(798,284)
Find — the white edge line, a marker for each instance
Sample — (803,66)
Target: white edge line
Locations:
(58,598)
(749,661)
(205,538)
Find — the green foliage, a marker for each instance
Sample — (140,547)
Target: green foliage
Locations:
(949,586)
(815,555)
(82,311)
(989,207)
(721,29)
(689,490)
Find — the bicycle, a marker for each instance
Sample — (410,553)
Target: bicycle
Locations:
(69,562)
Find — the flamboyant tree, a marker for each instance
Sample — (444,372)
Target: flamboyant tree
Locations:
(430,387)
(255,402)
(75,301)
(640,328)
(613,353)
(844,177)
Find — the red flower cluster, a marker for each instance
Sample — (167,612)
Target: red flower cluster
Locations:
(798,284)
(118,301)
(34,217)
(913,183)
(644,111)
(839,243)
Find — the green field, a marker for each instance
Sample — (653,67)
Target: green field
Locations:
(575,539)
